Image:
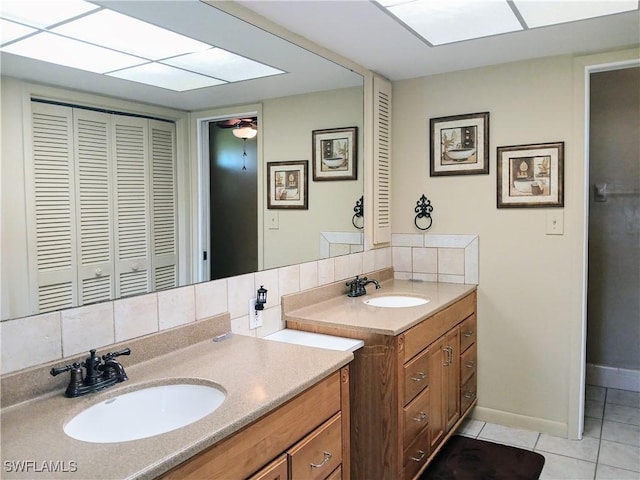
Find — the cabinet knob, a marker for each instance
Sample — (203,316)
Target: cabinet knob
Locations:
(135,267)
(327,457)
(98,272)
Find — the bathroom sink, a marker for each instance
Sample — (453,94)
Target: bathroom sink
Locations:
(145,413)
(395,301)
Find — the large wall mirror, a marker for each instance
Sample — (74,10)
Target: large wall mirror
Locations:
(300,93)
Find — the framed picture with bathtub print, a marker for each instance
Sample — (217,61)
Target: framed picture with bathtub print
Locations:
(287,185)
(531,175)
(459,145)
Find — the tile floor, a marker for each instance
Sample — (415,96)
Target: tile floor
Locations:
(609,449)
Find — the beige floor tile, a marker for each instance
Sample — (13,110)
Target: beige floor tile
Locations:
(619,455)
(593,408)
(623,397)
(604,472)
(622,414)
(557,467)
(508,435)
(592,427)
(585,449)
(621,433)
(470,427)
(595,393)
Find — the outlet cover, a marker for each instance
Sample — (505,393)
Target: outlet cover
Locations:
(255,316)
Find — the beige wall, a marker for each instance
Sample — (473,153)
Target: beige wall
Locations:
(287,126)
(530,295)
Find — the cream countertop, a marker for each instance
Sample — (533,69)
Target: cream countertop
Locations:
(258,376)
(353,313)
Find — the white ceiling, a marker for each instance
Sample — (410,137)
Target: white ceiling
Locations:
(358,30)
(364,33)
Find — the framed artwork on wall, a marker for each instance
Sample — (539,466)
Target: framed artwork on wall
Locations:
(459,144)
(335,154)
(287,185)
(531,175)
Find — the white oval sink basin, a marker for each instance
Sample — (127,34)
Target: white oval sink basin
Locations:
(144,413)
(395,301)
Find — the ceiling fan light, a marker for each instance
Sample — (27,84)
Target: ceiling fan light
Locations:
(245,132)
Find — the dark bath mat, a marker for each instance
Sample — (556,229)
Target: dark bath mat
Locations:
(464,458)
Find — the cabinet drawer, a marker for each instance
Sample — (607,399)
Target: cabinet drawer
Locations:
(320,453)
(468,333)
(336,474)
(416,376)
(468,393)
(425,333)
(468,363)
(276,470)
(415,416)
(415,457)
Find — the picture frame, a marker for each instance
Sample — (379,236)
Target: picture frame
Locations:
(335,154)
(287,185)
(459,144)
(530,175)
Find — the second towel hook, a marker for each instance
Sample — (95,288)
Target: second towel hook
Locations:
(423,210)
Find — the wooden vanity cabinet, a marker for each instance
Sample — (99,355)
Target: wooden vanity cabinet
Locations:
(409,392)
(306,438)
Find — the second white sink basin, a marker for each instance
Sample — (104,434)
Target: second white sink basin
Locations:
(395,301)
(144,413)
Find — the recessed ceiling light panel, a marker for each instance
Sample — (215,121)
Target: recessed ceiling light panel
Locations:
(71,53)
(130,35)
(10,31)
(447,21)
(539,13)
(165,76)
(43,13)
(220,63)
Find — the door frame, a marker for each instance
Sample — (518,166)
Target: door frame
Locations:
(203,267)
(584,67)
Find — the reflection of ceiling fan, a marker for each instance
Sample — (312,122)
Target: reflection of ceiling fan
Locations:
(242,127)
(238,122)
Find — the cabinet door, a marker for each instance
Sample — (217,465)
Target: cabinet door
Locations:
(451,380)
(436,354)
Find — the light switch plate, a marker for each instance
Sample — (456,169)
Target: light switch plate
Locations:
(555,222)
(273,222)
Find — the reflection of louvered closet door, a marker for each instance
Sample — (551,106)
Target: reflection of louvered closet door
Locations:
(104,206)
(92,135)
(51,210)
(132,240)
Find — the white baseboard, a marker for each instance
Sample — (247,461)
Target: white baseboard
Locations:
(624,379)
(523,422)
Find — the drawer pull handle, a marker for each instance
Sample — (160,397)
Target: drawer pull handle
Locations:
(421,416)
(421,454)
(327,457)
(419,377)
(469,394)
(470,364)
(468,334)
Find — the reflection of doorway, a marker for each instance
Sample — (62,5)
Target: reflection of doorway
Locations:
(233,204)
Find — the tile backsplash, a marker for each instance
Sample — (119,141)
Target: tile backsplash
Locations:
(30,341)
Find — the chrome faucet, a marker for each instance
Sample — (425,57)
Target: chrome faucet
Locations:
(98,375)
(356,286)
